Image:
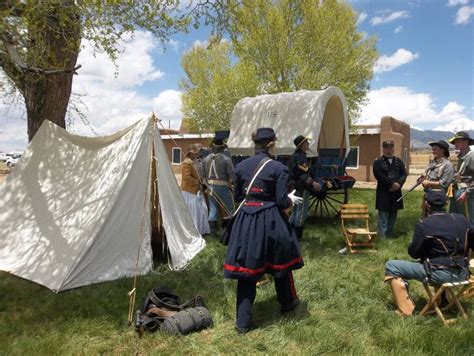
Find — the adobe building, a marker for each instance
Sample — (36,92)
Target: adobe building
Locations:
(176,144)
(366,146)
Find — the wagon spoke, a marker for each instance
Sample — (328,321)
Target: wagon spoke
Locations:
(335,199)
(332,206)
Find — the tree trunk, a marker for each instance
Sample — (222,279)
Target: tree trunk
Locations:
(47,95)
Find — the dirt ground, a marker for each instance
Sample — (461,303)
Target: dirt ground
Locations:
(408,184)
(364,185)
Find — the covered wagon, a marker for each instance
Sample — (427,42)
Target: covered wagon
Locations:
(320,115)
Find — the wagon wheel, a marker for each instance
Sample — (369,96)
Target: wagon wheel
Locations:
(327,204)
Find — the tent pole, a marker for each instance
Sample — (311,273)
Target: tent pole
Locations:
(133,292)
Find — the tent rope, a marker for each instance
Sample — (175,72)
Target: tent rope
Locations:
(166,130)
(133,292)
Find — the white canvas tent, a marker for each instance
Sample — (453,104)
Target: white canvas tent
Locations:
(77,210)
(320,115)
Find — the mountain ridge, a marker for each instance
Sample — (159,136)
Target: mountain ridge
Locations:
(420,138)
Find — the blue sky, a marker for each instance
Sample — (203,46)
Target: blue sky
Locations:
(424,75)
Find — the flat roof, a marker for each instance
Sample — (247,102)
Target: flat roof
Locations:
(368,130)
(186,136)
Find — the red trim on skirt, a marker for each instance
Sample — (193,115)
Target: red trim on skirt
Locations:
(262,269)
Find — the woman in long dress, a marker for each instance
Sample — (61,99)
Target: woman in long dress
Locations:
(191,190)
(261,239)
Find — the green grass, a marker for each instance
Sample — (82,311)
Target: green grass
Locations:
(346,307)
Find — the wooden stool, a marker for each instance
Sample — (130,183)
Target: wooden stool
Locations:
(356,213)
(449,288)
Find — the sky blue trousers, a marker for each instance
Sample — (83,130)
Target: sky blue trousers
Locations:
(224,195)
(415,270)
(386,223)
(300,211)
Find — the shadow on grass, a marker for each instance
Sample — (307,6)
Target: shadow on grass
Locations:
(346,307)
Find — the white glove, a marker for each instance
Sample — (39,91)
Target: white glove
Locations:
(294,199)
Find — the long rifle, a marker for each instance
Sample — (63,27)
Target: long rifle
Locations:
(412,188)
(419,180)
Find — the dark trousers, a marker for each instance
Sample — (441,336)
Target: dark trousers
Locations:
(247,290)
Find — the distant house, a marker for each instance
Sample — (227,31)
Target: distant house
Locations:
(177,141)
(366,146)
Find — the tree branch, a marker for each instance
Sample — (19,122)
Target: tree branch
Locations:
(11,70)
(15,8)
(21,68)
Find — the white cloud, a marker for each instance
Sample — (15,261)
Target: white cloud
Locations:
(199,43)
(13,129)
(398,29)
(135,63)
(111,102)
(400,57)
(417,109)
(456,125)
(175,45)
(167,106)
(361,18)
(13,136)
(464,14)
(457,2)
(387,16)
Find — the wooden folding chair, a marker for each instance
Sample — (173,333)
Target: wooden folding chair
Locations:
(356,237)
(454,297)
(464,290)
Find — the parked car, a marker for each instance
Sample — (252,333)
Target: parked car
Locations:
(13,160)
(4,156)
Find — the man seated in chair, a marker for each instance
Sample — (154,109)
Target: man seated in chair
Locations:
(440,242)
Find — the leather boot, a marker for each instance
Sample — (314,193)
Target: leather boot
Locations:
(404,303)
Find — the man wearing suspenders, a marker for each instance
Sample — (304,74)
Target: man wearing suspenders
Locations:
(219,174)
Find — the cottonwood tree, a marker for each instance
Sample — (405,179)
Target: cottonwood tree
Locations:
(290,45)
(40,41)
(213,85)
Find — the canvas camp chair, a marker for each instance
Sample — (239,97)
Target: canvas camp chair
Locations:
(456,291)
(360,236)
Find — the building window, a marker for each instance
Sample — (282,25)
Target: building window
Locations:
(176,155)
(352,161)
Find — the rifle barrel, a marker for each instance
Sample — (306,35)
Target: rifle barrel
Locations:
(412,188)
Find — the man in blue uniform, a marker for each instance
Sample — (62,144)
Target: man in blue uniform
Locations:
(261,240)
(390,173)
(219,175)
(440,242)
(302,182)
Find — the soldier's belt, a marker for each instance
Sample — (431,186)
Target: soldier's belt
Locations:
(217,182)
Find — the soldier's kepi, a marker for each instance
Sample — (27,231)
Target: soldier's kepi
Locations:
(302,182)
